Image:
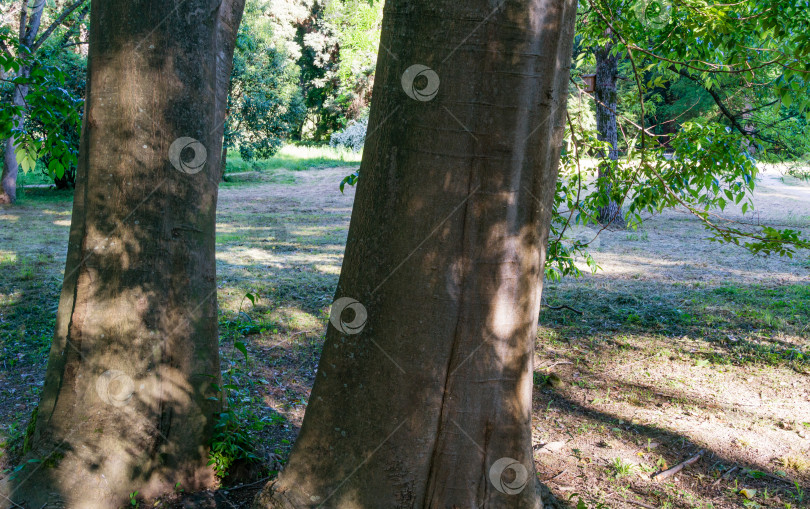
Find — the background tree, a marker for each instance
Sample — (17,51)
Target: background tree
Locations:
(462,181)
(265,104)
(27,45)
(128,402)
(606,104)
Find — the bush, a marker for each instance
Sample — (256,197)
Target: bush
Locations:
(353,137)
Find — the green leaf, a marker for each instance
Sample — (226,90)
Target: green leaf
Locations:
(242,348)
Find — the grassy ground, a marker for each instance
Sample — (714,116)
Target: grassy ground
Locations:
(683,345)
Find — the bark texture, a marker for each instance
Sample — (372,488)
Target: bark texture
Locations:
(30,19)
(607,72)
(429,405)
(124,407)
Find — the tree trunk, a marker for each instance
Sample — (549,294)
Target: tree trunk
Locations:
(606,102)
(429,404)
(29,27)
(125,406)
(8,193)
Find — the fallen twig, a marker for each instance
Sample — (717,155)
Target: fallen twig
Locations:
(728,473)
(559,363)
(677,468)
(248,485)
(564,306)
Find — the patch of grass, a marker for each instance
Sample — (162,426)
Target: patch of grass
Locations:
(637,237)
(739,323)
(296,158)
(268,176)
(34,195)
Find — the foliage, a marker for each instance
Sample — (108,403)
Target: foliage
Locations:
(236,427)
(352,137)
(339,42)
(798,172)
(65,124)
(53,105)
(705,81)
(357,24)
(265,104)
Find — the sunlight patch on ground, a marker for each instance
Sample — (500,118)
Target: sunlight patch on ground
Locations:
(329,269)
(297,320)
(278,260)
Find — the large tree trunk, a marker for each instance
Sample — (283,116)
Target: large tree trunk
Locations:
(125,406)
(29,27)
(429,405)
(607,73)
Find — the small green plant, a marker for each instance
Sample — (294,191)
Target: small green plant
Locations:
(540,379)
(133,501)
(237,424)
(799,495)
(582,505)
(620,468)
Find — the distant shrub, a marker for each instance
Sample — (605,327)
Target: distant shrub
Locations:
(353,137)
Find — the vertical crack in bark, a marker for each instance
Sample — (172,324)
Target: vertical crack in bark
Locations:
(451,358)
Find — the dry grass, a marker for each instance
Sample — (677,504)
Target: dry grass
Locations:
(795,462)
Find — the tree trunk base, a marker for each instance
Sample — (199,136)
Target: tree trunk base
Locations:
(612,216)
(66,478)
(272,498)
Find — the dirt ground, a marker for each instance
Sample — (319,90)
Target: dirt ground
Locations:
(684,347)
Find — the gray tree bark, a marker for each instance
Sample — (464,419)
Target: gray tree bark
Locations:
(126,402)
(606,103)
(429,405)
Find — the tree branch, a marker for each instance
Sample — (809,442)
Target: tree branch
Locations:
(5,49)
(717,99)
(72,30)
(47,33)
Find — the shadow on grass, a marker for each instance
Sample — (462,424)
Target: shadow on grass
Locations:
(739,323)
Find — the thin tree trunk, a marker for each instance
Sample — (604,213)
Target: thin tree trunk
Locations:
(430,405)
(8,193)
(125,406)
(606,102)
(29,26)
